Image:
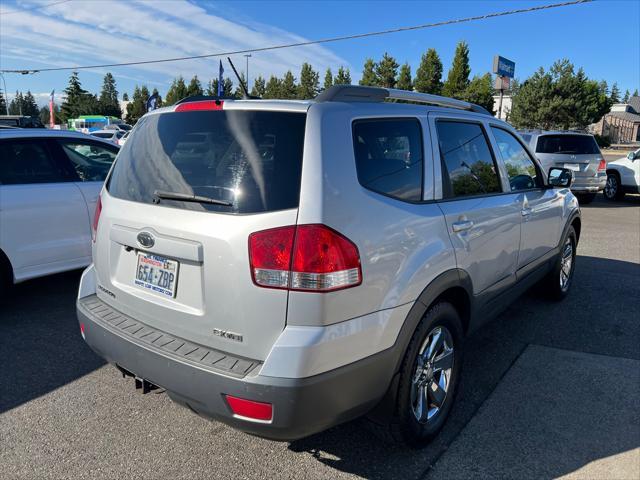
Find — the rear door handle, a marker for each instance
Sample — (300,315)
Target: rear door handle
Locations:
(462,226)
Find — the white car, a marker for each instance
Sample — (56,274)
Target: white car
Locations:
(623,176)
(112,136)
(123,139)
(49,185)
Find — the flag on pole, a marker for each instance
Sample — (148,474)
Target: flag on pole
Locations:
(152,103)
(220,80)
(52,120)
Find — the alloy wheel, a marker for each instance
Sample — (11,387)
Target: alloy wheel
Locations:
(432,376)
(611,187)
(566,264)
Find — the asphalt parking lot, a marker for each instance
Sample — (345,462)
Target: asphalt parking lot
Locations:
(548,390)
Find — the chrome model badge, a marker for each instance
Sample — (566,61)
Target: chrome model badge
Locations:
(146,240)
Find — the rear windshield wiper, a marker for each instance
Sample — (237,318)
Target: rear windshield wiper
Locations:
(185,197)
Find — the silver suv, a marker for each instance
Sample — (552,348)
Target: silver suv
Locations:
(575,151)
(285,266)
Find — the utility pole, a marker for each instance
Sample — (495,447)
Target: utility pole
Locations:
(246,73)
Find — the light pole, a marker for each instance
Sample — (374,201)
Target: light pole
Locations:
(246,73)
(6,99)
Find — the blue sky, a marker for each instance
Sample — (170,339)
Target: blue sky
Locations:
(603,37)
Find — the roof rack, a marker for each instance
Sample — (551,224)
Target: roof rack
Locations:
(357,93)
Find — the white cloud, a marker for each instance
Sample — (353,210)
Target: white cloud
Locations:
(112,32)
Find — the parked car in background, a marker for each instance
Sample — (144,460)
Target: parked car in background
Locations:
(123,139)
(118,126)
(623,176)
(112,136)
(226,273)
(20,121)
(575,151)
(49,185)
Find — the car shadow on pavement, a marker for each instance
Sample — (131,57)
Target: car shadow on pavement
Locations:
(629,200)
(589,320)
(40,344)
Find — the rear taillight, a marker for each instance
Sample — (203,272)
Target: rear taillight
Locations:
(96,219)
(249,409)
(312,258)
(201,105)
(602,165)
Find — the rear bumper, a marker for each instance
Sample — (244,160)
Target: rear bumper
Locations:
(593,184)
(301,406)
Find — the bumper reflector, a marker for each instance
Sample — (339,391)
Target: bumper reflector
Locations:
(249,409)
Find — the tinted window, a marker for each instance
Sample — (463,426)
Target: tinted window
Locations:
(520,168)
(28,161)
(526,137)
(569,144)
(467,165)
(252,159)
(389,157)
(103,135)
(90,160)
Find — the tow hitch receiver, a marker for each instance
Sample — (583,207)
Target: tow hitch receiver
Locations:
(141,383)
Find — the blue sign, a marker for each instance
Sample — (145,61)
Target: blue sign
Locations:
(503,67)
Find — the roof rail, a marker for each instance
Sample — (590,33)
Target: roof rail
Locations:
(357,93)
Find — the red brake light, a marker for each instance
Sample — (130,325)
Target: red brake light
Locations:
(201,105)
(602,165)
(250,409)
(96,218)
(307,257)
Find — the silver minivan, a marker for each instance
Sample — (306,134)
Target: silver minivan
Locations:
(286,266)
(575,151)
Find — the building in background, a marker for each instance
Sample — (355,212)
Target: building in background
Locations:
(506,106)
(621,124)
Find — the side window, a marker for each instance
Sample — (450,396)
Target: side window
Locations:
(521,169)
(90,160)
(28,161)
(389,157)
(467,164)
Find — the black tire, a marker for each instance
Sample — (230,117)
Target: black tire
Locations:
(6,277)
(613,189)
(585,198)
(552,283)
(403,426)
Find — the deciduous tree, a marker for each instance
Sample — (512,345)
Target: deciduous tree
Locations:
(480,92)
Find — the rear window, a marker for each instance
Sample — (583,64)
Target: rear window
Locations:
(251,159)
(569,144)
(102,135)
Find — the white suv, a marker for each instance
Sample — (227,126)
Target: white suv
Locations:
(49,185)
(284,266)
(623,176)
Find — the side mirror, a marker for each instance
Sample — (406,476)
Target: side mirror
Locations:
(632,156)
(560,177)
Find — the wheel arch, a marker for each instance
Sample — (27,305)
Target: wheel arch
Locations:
(5,267)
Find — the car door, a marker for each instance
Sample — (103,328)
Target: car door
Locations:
(42,212)
(541,207)
(89,162)
(482,218)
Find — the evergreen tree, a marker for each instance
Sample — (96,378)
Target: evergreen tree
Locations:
(109,97)
(309,82)
(195,87)
(227,88)
(44,114)
(138,106)
(343,77)
(615,94)
(76,100)
(458,76)
(15,107)
(125,97)
(625,99)
(369,73)
(238,93)
(288,88)
(429,74)
(480,92)
(328,79)
(558,99)
(387,71)
(177,91)
(29,105)
(259,87)
(3,103)
(404,78)
(273,87)
(635,93)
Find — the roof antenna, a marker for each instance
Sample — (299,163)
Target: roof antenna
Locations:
(245,93)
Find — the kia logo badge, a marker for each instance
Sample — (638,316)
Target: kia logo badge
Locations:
(146,240)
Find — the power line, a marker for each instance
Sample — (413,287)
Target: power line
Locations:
(37,7)
(25,71)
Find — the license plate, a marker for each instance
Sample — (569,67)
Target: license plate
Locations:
(156,273)
(572,166)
